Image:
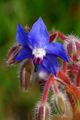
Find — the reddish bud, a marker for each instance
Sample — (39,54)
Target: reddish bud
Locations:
(74,74)
(26,74)
(42,111)
(12,54)
(72,45)
(53,36)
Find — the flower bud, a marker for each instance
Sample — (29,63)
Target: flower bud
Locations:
(26,74)
(72,45)
(58,104)
(12,54)
(53,36)
(42,111)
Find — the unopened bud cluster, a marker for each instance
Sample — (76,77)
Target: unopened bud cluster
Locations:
(42,111)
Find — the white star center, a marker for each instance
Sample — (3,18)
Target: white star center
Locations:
(39,52)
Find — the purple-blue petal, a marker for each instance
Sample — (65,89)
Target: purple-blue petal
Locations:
(43,68)
(21,36)
(39,34)
(53,63)
(49,64)
(58,50)
(23,54)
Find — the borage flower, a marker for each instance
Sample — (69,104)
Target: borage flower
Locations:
(36,46)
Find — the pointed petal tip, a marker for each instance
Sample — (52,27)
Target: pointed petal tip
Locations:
(18,24)
(40,19)
(39,34)
(19,27)
(54,72)
(64,55)
(66,58)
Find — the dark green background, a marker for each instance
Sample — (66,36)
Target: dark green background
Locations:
(63,15)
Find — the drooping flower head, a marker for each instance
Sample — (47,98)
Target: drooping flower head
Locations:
(36,46)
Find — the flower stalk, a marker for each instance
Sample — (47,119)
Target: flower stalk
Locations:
(48,84)
(47,87)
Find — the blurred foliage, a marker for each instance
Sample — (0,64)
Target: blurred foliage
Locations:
(63,15)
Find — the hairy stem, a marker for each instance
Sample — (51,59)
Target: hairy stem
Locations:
(78,79)
(74,107)
(45,94)
(64,66)
(55,89)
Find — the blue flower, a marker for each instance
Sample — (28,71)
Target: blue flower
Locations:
(36,46)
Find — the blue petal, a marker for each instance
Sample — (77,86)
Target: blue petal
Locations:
(43,68)
(53,63)
(21,36)
(23,54)
(49,64)
(39,34)
(58,50)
